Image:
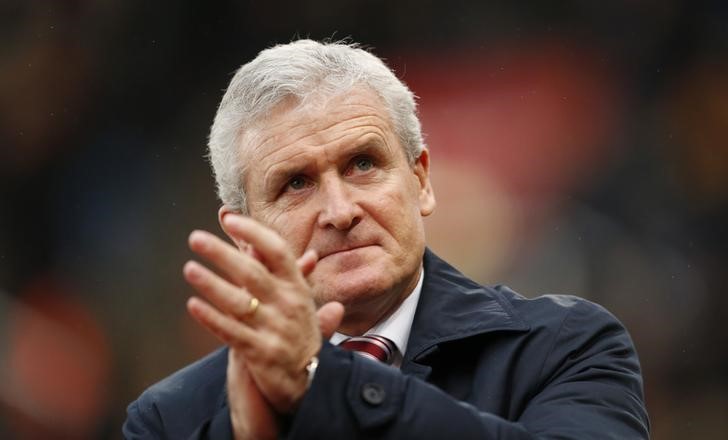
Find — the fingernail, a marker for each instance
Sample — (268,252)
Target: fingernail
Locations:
(197,240)
(233,219)
(190,270)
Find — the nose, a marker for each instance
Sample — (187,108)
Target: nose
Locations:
(338,209)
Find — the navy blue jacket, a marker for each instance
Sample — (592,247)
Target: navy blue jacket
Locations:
(482,363)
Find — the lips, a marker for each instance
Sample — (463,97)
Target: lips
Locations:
(326,252)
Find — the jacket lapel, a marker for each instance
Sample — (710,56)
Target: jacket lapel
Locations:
(453,307)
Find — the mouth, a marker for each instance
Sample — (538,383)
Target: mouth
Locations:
(341,251)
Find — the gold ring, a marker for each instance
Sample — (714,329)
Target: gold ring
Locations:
(253,306)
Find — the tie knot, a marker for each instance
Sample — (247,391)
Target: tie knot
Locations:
(374,347)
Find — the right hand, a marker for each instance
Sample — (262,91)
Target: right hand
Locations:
(252,415)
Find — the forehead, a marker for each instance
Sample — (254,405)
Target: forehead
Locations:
(293,128)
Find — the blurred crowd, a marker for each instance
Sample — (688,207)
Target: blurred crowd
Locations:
(578,147)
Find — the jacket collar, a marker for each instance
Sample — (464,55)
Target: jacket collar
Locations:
(453,307)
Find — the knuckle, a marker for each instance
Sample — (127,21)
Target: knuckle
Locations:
(257,277)
(279,249)
(238,303)
(252,275)
(287,302)
(292,307)
(301,307)
(276,349)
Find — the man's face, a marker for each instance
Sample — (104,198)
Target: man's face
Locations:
(333,177)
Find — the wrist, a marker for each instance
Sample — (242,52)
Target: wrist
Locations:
(306,377)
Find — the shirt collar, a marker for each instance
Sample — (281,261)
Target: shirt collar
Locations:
(396,327)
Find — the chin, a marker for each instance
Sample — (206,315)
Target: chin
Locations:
(351,286)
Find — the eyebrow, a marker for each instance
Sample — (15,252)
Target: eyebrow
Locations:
(301,164)
(369,143)
(278,174)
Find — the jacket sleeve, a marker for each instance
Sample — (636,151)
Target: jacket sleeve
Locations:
(145,422)
(189,404)
(589,386)
(141,424)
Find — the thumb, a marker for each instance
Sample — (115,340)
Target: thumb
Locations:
(329,317)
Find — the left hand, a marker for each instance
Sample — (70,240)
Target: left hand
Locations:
(251,416)
(281,337)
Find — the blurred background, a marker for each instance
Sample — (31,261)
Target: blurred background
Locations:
(578,147)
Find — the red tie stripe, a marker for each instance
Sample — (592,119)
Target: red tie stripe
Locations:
(374,347)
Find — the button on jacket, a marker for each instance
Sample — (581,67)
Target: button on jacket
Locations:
(481,363)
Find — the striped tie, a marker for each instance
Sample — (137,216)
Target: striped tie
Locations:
(374,347)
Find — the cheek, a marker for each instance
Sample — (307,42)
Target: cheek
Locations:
(398,212)
(295,228)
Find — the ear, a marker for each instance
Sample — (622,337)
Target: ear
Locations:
(426,194)
(221,213)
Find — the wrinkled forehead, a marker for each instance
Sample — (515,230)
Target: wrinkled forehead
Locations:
(317,112)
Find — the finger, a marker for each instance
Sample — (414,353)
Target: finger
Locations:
(247,249)
(254,254)
(274,251)
(241,269)
(307,262)
(224,327)
(226,297)
(330,316)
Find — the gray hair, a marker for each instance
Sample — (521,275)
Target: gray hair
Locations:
(300,70)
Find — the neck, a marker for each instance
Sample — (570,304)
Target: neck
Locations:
(362,315)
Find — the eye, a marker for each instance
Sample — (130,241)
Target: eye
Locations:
(297,183)
(363,163)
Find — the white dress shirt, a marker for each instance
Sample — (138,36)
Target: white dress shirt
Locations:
(396,327)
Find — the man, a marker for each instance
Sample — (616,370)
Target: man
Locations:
(324,177)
